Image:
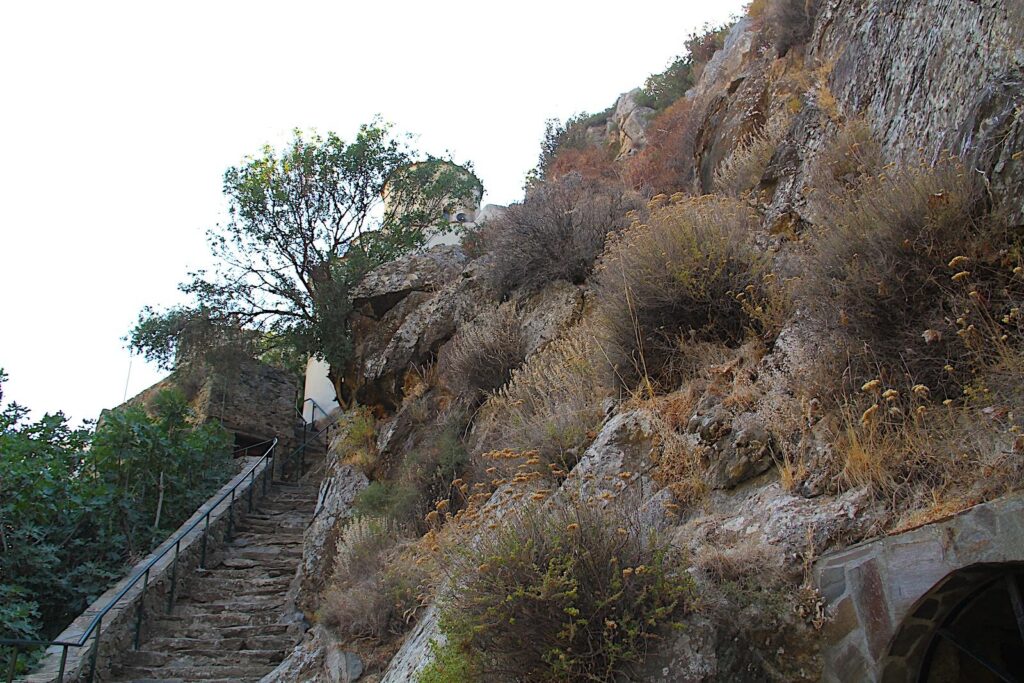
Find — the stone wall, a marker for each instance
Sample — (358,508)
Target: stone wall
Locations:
(885,597)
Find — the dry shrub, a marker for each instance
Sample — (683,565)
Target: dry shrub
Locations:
(552,404)
(483,353)
(556,233)
(666,165)
(691,276)
(882,278)
(786,23)
(375,592)
(590,162)
(570,593)
(741,171)
(922,288)
(766,618)
(849,159)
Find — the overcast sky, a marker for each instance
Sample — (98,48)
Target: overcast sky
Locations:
(117,121)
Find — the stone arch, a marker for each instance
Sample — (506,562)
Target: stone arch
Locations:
(881,594)
(968,627)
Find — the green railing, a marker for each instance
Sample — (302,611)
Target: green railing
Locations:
(268,461)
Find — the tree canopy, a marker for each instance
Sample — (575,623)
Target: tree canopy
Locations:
(307,222)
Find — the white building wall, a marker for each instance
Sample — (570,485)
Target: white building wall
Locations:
(319,388)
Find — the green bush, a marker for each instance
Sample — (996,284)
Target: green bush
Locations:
(79,506)
(576,593)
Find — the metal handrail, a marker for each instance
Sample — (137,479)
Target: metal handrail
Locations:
(96,624)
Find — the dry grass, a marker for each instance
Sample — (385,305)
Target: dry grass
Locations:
(552,404)
(767,618)
(922,287)
(741,171)
(483,353)
(688,278)
(375,592)
(849,159)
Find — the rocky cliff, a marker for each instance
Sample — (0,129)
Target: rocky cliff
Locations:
(746,453)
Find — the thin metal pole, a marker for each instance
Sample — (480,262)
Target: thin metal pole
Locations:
(174,577)
(231,516)
(252,482)
(12,666)
(206,531)
(142,602)
(95,650)
(63,663)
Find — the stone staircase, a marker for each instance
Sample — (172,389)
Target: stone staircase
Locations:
(230,624)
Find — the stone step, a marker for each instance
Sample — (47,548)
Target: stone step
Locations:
(194,617)
(210,672)
(189,630)
(204,657)
(215,641)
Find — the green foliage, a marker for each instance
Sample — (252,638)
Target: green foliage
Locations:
(557,136)
(79,505)
(450,664)
(662,89)
(423,477)
(306,224)
(574,593)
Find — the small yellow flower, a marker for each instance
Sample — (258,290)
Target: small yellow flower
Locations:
(958,261)
(627,572)
(948,402)
(891,395)
(948,368)
(484,568)
(961,276)
(641,569)
(572,527)
(868,415)
(539,495)
(920,390)
(873,385)
(621,531)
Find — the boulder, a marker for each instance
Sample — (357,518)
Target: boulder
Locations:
(629,122)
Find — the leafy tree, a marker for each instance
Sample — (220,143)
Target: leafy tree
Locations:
(79,504)
(307,222)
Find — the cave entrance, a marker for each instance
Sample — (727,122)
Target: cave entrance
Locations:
(977,632)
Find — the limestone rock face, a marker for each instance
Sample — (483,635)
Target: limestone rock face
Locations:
(385,286)
(931,76)
(338,491)
(629,123)
(319,658)
(405,311)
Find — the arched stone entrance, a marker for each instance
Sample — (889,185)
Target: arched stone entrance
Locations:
(969,627)
(890,598)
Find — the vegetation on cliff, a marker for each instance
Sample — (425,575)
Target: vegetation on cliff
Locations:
(80,505)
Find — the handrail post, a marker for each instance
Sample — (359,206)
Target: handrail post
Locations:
(138,616)
(252,483)
(231,517)
(206,532)
(63,663)
(95,650)
(174,576)
(12,667)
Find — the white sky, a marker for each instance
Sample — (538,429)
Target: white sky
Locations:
(117,121)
